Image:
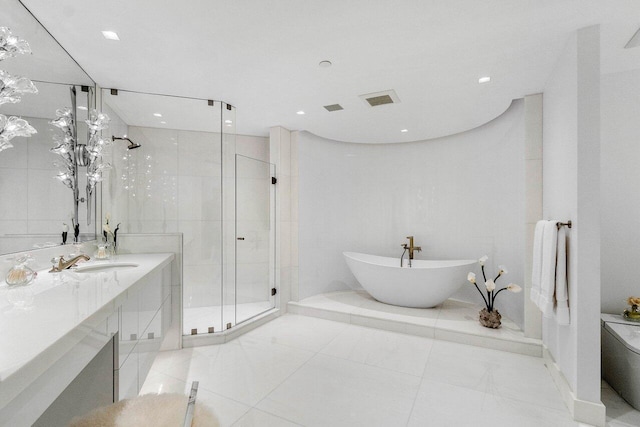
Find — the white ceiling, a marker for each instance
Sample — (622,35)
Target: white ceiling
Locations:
(262,56)
(49,62)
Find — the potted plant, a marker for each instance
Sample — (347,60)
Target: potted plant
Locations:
(490,317)
(634,313)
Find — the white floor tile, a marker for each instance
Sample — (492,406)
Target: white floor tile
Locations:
(257,418)
(619,412)
(244,370)
(328,391)
(502,374)
(307,333)
(313,372)
(445,405)
(166,359)
(390,350)
(159,382)
(226,410)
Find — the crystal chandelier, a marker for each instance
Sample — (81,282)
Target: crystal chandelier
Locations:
(75,155)
(11,88)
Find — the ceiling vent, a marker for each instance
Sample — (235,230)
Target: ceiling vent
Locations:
(333,107)
(380,98)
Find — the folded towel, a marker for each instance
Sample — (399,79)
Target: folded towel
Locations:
(536,273)
(548,269)
(562,292)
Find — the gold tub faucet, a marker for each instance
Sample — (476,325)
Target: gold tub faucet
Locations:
(64,264)
(411,250)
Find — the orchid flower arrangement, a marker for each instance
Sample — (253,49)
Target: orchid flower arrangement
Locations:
(490,284)
(106,230)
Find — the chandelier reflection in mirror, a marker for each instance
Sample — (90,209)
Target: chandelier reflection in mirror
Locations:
(75,155)
(11,89)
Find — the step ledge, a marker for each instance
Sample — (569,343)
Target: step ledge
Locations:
(526,346)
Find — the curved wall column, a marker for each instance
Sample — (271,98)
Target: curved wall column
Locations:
(461,196)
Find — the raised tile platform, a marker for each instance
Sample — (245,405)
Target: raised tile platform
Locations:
(455,321)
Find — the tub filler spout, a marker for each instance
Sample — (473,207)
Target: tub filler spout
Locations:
(411,250)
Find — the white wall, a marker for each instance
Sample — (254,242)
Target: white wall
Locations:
(571,156)
(283,155)
(35,203)
(620,175)
(460,196)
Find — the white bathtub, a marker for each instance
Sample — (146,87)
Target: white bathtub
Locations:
(425,284)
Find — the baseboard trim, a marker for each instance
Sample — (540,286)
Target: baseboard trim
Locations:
(594,413)
(229,334)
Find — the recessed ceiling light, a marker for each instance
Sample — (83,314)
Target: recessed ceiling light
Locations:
(110,35)
(157,114)
(404,130)
(325,64)
(228,121)
(82,107)
(300,113)
(485,79)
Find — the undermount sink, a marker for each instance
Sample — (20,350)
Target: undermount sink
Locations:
(96,268)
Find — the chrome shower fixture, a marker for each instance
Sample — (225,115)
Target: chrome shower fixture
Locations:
(132,145)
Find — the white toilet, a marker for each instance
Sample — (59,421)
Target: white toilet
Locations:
(621,356)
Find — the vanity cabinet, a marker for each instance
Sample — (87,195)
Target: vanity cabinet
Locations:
(77,328)
(144,319)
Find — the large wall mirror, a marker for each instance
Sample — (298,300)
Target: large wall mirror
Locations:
(35,204)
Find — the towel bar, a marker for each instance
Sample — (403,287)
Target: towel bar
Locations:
(560,224)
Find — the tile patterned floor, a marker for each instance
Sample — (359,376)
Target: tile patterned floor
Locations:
(305,371)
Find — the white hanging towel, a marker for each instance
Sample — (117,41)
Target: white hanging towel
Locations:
(536,271)
(548,269)
(561,288)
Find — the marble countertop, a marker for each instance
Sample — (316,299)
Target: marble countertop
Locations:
(40,322)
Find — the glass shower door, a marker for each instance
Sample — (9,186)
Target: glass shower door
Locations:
(255,238)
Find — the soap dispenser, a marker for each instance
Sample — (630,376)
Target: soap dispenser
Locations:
(20,273)
(103,251)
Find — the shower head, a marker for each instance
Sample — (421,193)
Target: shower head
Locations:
(131,145)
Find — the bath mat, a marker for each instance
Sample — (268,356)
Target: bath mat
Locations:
(150,410)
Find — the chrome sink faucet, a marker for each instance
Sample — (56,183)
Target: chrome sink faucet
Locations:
(64,264)
(411,250)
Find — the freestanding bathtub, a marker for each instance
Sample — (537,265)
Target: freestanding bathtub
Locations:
(426,284)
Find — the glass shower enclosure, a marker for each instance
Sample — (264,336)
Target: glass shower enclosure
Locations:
(255,231)
(187,178)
